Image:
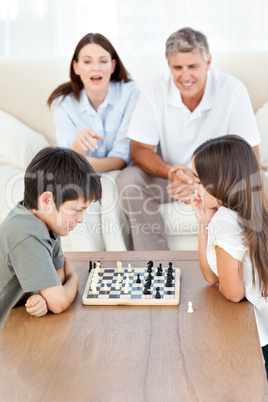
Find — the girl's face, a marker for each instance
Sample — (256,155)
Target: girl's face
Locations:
(95,67)
(208,201)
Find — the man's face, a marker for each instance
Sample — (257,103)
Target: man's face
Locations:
(189,73)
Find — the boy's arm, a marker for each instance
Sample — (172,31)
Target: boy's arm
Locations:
(36,305)
(61,274)
(60,297)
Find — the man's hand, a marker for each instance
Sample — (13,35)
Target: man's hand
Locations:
(36,305)
(84,140)
(181,187)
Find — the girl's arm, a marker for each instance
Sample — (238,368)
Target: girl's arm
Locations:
(207,272)
(203,216)
(230,273)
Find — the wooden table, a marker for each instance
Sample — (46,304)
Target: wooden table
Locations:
(120,353)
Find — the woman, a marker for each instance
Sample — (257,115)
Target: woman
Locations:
(92,113)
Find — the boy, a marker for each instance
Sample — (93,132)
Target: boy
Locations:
(59,185)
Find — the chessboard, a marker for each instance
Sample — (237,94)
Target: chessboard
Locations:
(129,285)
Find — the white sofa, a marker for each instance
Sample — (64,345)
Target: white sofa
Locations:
(26,124)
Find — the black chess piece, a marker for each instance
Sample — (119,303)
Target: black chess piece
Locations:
(150,264)
(159,272)
(146,291)
(90,266)
(170,275)
(157,294)
(148,283)
(138,280)
(150,276)
(168,282)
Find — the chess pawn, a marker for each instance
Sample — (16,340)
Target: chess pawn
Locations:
(138,280)
(190,307)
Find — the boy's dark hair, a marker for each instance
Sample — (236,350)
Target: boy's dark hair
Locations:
(65,173)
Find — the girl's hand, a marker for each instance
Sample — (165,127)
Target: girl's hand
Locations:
(36,305)
(84,140)
(203,214)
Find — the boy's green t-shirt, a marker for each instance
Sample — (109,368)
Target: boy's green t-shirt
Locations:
(29,258)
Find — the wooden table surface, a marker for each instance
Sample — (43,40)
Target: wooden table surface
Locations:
(144,353)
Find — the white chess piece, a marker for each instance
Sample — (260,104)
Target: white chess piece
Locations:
(105,287)
(119,266)
(126,288)
(95,277)
(190,307)
(129,268)
(117,285)
(94,290)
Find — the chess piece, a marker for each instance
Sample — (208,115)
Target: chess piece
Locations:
(138,280)
(159,272)
(157,294)
(119,266)
(146,291)
(190,307)
(90,266)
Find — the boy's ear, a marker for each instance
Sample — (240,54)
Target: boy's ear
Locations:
(46,199)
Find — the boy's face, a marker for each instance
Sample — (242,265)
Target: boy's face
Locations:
(65,219)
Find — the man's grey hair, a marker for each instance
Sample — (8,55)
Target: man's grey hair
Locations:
(187,40)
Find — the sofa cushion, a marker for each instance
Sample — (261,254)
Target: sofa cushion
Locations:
(262,122)
(18,142)
(11,189)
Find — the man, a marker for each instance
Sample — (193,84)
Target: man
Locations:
(175,113)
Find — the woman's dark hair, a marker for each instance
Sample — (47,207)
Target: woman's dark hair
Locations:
(75,85)
(65,173)
(229,170)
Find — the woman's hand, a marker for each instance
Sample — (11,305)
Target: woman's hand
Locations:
(36,305)
(86,140)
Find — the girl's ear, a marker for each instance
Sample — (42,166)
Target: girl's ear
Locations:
(46,199)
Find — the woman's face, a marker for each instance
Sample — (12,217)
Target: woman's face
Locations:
(95,67)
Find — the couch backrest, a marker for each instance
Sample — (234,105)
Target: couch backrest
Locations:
(27,83)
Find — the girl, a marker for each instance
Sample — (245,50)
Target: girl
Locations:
(232,213)
(92,113)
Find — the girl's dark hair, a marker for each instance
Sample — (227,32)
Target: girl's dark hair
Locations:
(75,85)
(229,170)
(65,173)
